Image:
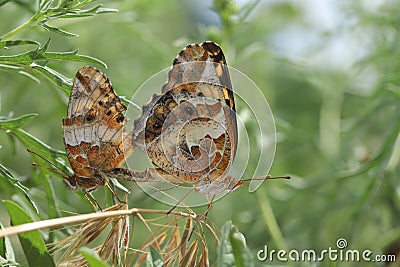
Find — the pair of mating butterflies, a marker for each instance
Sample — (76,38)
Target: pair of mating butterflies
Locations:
(188,131)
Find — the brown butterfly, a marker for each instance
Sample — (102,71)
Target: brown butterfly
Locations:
(189,131)
(94,131)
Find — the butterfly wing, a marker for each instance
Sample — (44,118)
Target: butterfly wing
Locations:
(196,105)
(205,63)
(94,129)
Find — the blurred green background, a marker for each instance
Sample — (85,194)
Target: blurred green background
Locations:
(329,70)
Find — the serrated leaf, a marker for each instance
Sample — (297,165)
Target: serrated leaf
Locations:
(154,259)
(92,257)
(32,242)
(14,123)
(17,43)
(4,173)
(57,30)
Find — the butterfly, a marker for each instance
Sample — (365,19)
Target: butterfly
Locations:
(94,133)
(189,131)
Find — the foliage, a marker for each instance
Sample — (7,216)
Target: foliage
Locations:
(333,88)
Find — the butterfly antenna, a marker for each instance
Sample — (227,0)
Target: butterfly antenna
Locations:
(157,190)
(265,178)
(180,200)
(47,168)
(56,168)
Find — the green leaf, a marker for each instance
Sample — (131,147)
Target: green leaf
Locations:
(154,259)
(72,56)
(55,77)
(225,257)
(54,156)
(4,173)
(41,54)
(43,49)
(11,68)
(32,242)
(18,70)
(3,2)
(86,12)
(7,256)
(45,5)
(71,15)
(232,249)
(14,123)
(17,43)
(93,258)
(243,257)
(106,10)
(92,10)
(57,30)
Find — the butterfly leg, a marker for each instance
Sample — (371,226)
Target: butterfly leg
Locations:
(180,201)
(96,206)
(149,175)
(114,193)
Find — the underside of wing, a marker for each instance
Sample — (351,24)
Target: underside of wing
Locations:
(185,132)
(200,63)
(94,129)
(205,63)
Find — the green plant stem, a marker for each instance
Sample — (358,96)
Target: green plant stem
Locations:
(270,219)
(31,21)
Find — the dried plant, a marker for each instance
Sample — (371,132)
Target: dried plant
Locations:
(116,239)
(175,238)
